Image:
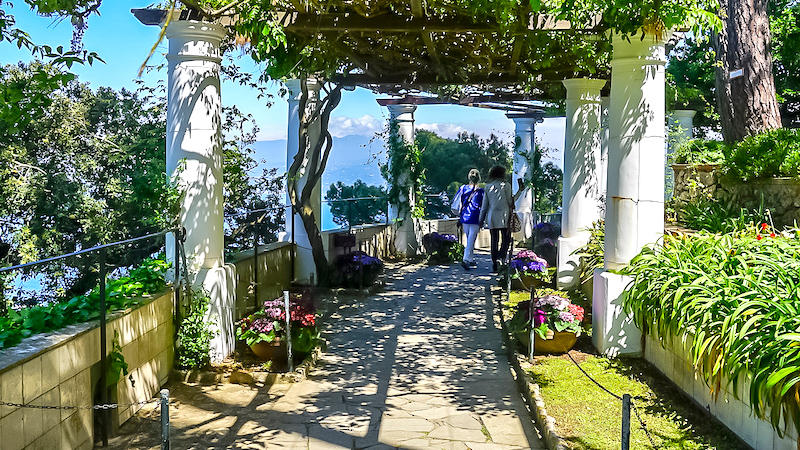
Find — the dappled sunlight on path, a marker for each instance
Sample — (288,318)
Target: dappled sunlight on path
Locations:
(420,366)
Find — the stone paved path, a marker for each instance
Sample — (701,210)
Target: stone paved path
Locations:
(418,366)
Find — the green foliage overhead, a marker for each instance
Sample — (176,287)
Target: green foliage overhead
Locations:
(784,24)
(735,300)
(370,208)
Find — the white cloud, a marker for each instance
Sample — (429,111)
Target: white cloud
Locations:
(345,126)
(446,130)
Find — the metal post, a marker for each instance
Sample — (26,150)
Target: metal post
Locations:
(349,216)
(288,330)
(165,419)
(626,421)
(103,348)
(255,267)
(530,316)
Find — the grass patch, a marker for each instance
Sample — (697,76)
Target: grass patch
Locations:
(589,418)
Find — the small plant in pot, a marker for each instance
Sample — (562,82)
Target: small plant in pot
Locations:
(442,248)
(527,270)
(556,323)
(355,270)
(265,330)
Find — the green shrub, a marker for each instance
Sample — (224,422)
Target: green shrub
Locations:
(735,298)
(699,151)
(194,334)
(775,153)
(591,255)
(121,293)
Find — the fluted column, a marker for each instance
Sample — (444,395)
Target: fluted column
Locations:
(582,162)
(406,238)
(194,157)
(635,198)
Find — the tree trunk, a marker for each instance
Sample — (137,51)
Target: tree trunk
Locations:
(746,103)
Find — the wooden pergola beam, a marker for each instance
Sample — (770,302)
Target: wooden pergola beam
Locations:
(305,23)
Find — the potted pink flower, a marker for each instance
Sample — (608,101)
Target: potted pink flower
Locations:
(555,320)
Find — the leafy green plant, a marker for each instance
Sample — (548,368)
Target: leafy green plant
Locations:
(775,153)
(735,299)
(442,248)
(194,334)
(699,151)
(591,254)
(121,293)
(117,367)
(404,174)
(709,214)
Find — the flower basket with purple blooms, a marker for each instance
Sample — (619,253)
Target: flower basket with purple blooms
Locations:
(551,313)
(528,263)
(269,323)
(355,270)
(442,248)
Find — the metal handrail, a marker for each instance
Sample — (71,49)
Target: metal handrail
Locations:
(88,250)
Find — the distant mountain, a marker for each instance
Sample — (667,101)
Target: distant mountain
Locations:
(352,157)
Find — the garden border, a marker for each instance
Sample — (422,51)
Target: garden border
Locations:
(528,389)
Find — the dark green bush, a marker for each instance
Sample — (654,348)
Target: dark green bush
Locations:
(775,153)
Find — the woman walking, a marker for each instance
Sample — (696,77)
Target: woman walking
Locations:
(468,201)
(498,203)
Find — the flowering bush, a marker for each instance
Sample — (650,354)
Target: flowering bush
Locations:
(528,263)
(269,323)
(551,312)
(355,270)
(442,248)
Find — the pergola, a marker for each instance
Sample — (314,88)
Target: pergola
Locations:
(401,48)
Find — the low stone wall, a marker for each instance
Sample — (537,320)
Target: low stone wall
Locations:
(781,196)
(61,368)
(374,240)
(273,276)
(674,361)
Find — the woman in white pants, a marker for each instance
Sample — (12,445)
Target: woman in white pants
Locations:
(468,199)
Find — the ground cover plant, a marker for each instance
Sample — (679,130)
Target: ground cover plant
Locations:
(121,293)
(735,299)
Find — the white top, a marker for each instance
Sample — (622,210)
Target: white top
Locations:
(497,204)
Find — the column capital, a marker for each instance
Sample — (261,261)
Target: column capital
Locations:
(295,90)
(633,50)
(679,114)
(191,39)
(401,109)
(584,89)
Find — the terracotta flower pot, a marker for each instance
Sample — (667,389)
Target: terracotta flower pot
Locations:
(561,342)
(275,350)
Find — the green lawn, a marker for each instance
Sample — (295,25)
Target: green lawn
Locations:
(589,418)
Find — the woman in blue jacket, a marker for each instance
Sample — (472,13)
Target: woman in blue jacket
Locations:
(469,198)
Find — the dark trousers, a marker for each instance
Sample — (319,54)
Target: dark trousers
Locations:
(499,236)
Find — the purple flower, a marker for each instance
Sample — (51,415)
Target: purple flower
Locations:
(539,317)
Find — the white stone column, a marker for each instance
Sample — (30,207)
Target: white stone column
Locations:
(304,267)
(194,156)
(406,235)
(635,198)
(582,162)
(605,102)
(525,137)
(681,124)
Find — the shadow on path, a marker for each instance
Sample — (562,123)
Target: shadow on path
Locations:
(419,365)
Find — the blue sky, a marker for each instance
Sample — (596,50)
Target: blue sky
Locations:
(124,43)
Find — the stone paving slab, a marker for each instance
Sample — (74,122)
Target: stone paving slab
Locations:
(419,365)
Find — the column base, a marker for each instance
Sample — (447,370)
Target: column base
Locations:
(569,275)
(220,284)
(406,239)
(613,331)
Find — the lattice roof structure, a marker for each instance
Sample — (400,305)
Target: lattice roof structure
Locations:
(402,47)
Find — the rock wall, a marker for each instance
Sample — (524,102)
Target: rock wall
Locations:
(781,196)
